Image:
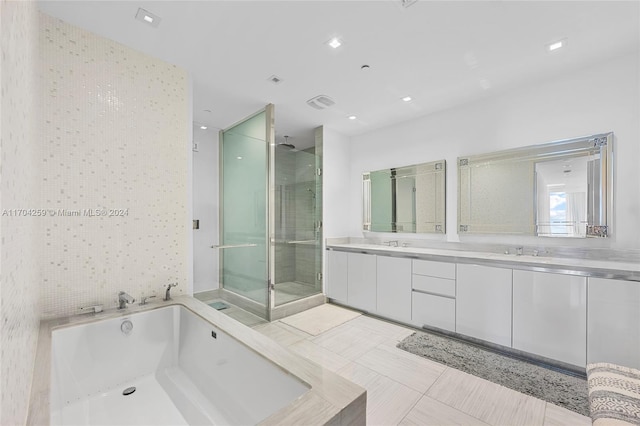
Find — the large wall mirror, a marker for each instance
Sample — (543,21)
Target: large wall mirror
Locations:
(558,189)
(405,199)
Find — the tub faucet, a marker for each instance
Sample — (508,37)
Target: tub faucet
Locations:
(123,299)
(167,295)
(143,299)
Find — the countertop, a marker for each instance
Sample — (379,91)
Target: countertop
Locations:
(575,266)
(330,400)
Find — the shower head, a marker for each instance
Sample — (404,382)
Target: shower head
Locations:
(286,143)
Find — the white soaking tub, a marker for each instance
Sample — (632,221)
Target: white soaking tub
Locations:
(184,370)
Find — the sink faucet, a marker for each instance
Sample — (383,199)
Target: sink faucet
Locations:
(167,295)
(519,251)
(123,299)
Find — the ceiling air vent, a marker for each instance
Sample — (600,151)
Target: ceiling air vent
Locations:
(275,79)
(321,102)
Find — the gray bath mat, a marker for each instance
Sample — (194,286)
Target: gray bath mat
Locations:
(557,388)
(219,305)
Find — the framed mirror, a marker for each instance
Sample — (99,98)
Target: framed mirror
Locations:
(558,189)
(405,199)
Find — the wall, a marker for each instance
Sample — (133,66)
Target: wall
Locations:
(600,98)
(205,209)
(20,245)
(116,127)
(336,199)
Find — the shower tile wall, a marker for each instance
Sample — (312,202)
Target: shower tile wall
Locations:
(285,215)
(295,192)
(115,136)
(20,245)
(305,190)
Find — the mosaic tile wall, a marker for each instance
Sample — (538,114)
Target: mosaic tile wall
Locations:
(19,278)
(114,164)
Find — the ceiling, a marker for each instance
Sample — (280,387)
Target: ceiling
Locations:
(441,53)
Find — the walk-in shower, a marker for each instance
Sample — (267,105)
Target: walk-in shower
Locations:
(270,248)
(298,224)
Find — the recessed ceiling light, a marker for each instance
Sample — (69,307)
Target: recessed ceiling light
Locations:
(557,45)
(203,127)
(407,98)
(335,42)
(352,117)
(365,67)
(148,17)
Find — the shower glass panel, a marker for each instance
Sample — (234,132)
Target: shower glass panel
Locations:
(244,232)
(298,221)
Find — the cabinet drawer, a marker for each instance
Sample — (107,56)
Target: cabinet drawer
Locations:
(442,286)
(434,311)
(434,269)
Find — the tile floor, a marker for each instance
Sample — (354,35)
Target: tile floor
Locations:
(402,388)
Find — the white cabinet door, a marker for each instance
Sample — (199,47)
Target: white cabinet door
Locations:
(361,281)
(434,311)
(483,303)
(394,288)
(613,324)
(337,272)
(550,315)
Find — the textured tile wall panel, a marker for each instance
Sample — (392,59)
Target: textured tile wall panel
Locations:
(19,239)
(114,140)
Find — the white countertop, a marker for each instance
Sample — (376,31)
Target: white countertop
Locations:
(605,268)
(330,399)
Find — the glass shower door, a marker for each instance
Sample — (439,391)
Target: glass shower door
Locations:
(298,224)
(244,254)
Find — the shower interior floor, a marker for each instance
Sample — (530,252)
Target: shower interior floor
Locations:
(233,311)
(293,290)
(285,292)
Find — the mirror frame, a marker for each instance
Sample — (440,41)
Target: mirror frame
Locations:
(439,166)
(600,221)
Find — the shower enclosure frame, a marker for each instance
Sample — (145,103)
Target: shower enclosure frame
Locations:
(270,311)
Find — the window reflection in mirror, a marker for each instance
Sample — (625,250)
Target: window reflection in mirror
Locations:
(559,189)
(562,187)
(405,199)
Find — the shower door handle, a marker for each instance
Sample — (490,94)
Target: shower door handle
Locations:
(226,246)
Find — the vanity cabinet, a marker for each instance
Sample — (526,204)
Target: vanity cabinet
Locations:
(558,315)
(394,288)
(433,295)
(550,315)
(361,281)
(337,270)
(613,324)
(483,303)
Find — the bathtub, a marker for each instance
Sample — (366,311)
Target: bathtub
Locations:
(184,370)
